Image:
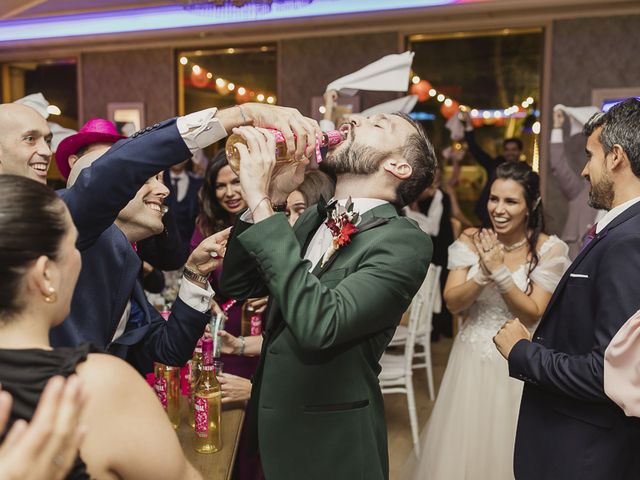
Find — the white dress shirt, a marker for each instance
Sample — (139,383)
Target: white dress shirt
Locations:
(615,212)
(180,183)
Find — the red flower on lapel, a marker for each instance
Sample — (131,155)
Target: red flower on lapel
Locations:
(341,221)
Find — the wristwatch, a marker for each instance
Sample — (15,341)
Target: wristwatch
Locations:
(196,277)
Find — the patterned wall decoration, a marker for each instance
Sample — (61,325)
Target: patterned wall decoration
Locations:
(306,66)
(589,53)
(146,76)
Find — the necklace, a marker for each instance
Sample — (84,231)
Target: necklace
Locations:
(515,246)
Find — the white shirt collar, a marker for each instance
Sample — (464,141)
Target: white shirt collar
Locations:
(362,204)
(614,212)
(178,176)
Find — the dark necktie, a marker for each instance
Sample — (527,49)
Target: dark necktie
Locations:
(591,234)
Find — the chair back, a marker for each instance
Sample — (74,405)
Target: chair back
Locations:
(421,312)
(429,290)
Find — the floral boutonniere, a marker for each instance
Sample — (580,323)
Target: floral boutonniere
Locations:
(342,223)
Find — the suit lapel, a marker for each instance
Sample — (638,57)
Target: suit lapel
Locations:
(620,219)
(304,233)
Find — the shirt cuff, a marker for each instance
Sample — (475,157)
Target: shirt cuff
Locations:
(556,135)
(196,297)
(200,129)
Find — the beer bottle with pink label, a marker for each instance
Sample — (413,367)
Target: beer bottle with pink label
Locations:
(207,404)
(167,387)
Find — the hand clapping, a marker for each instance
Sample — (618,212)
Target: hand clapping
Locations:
(490,250)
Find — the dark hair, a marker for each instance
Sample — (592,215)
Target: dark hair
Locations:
(521,173)
(31,225)
(212,217)
(418,152)
(621,126)
(316,184)
(515,140)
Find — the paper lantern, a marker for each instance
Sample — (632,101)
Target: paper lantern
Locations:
(199,78)
(450,110)
(421,89)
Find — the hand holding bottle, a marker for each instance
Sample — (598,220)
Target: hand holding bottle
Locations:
(287,120)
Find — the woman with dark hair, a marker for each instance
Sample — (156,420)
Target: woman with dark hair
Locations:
(495,275)
(220,200)
(39,268)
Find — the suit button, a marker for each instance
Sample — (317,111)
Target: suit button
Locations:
(148,129)
(135,134)
(156,125)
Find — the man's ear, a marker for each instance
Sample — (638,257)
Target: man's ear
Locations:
(398,167)
(72,159)
(618,157)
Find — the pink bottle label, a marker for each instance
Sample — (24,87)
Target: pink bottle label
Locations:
(334,137)
(161,391)
(256,325)
(185,373)
(165,314)
(201,409)
(151,379)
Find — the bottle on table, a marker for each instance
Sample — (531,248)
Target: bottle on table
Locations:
(167,388)
(329,139)
(194,374)
(207,404)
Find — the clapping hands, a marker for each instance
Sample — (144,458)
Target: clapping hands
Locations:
(490,250)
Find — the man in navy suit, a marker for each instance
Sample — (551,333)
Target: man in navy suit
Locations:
(101,192)
(568,428)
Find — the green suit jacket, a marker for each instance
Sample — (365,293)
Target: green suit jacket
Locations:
(316,402)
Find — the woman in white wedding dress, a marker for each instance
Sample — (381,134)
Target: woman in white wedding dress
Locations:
(495,275)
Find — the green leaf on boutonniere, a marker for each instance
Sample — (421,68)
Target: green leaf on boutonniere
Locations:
(349,205)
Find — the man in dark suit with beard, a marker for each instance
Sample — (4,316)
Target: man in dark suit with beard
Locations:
(568,427)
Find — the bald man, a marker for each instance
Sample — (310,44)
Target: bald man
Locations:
(25,142)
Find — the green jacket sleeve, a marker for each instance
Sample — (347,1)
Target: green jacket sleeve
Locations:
(369,300)
(241,278)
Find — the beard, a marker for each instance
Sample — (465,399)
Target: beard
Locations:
(601,194)
(353,159)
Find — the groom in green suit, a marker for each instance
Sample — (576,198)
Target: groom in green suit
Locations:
(316,408)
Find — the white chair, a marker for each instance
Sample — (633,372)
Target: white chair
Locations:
(397,370)
(431,295)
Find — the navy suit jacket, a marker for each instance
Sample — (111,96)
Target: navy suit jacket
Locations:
(568,428)
(109,276)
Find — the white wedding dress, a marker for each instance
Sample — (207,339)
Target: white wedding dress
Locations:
(470,434)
